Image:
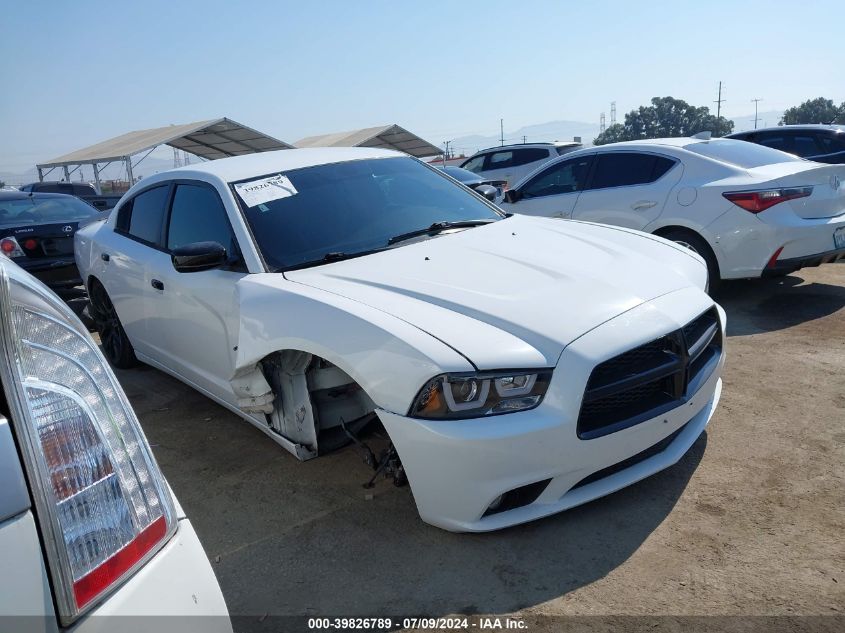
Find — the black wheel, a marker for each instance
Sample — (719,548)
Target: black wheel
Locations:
(697,245)
(115,343)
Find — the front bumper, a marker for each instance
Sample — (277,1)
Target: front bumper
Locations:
(457,468)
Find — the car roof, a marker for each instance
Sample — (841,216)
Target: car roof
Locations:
(798,126)
(555,144)
(23,195)
(261,163)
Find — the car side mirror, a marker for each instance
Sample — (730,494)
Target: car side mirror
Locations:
(512,196)
(487,191)
(199,256)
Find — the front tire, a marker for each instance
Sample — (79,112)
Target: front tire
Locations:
(113,339)
(699,246)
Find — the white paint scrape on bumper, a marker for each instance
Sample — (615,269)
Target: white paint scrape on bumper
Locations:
(456,469)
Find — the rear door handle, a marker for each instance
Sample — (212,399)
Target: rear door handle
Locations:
(105,257)
(155,283)
(643,204)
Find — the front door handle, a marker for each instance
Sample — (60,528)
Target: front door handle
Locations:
(640,205)
(155,283)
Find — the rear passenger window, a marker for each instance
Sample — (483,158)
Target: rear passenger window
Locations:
(142,216)
(81,190)
(529,155)
(833,143)
(198,215)
(804,145)
(775,142)
(624,169)
(476,164)
(500,160)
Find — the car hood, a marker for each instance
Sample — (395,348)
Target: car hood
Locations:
(513,293)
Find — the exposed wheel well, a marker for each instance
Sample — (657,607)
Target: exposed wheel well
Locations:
(317,404)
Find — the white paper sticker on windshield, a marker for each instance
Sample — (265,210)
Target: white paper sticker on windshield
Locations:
(260,191)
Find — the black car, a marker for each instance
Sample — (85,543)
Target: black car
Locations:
(81,190)
(36,232)
(490,189)
(819,143)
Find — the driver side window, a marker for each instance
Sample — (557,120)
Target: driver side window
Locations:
(564,177)
(197,215)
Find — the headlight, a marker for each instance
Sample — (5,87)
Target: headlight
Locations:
(456,396)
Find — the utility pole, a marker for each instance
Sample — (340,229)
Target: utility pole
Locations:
(446,153)
(756,101)
(719,102)
(501,131)
(524,139)
(601,123)
(613,113)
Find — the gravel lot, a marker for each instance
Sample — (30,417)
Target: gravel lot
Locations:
(751,521)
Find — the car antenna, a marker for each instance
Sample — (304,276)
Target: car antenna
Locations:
(704,136)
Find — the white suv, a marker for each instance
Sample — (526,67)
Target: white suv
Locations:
(512,162)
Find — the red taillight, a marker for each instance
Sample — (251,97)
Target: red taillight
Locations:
(757,201)
(10,248)
(30,244)
(97,580)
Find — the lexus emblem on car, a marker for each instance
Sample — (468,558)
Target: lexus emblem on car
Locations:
(67,229)
(834,182)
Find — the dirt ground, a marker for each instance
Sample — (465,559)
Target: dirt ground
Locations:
(750,522)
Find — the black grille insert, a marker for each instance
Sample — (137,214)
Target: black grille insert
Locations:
(650,379)
(651,451)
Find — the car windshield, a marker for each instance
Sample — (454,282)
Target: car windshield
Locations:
(44,210)
(301,216)
(741,153)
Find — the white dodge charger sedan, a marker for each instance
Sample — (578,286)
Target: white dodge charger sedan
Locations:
(748,210)
(520,366)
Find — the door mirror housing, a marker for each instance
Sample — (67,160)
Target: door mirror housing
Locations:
(487,191)
(199,256)
(513,195)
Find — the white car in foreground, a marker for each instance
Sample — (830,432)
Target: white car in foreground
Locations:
(520,366)
(88,526)
(748,210)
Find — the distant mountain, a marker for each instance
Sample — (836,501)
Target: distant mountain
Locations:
(541,132)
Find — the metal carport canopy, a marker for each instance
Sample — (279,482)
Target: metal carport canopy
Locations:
(215,138)
(385,136)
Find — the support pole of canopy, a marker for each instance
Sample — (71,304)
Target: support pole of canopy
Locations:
(128,161)
(97,178)
(40,175)
(67,175)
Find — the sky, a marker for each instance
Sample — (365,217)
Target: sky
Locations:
(75,73)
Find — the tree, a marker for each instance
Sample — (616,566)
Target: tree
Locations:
(819,110)
(665,117)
